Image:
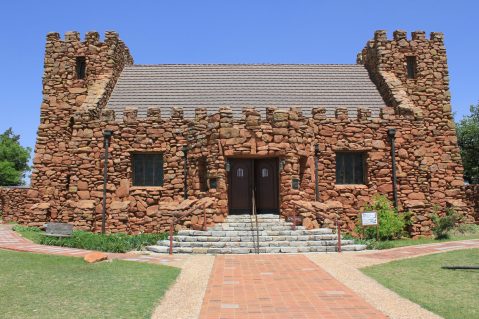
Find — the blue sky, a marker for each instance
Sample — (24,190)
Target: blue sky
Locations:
(226,31)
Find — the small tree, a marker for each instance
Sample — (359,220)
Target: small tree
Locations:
(468,140)
(13,159)
(391,223)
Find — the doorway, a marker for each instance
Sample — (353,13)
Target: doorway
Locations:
(260,175)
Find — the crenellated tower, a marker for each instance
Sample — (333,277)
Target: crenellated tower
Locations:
(78,75)
(412,77)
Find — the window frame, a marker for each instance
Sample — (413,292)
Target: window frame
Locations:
(202,167)
(344,180)
(80,67)
(411,67)
(161,176)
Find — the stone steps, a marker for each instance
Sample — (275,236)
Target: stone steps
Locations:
(247,250)
(251,244)
(237,235)
(288,232)
(251,238)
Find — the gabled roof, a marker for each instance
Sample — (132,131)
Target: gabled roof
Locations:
(244,85)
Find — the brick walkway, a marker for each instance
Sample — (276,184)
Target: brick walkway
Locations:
(278,286)
(10,240)
(411,251)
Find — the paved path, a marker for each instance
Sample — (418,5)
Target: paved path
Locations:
(413,251)
(11,240)
(278,286)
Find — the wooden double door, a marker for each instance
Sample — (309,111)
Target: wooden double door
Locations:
(253,177)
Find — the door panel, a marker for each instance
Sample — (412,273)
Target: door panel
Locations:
(266,184)
(260,173)
(240,186)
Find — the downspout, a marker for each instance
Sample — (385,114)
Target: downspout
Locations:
(392,139)
(316,181)
(106,142)
(185,172)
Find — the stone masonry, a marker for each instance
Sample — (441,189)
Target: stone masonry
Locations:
(67,178)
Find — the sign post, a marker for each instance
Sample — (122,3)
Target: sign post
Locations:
(371,219)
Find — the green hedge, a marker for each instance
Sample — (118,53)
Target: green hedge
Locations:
(115,243)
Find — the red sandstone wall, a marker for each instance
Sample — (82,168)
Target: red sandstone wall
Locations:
(472,196)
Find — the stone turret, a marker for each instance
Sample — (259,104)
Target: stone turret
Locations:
(410,73)
(78,75)
(412,76)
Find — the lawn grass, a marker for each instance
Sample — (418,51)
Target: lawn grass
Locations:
(453,294)
(115,243)
(472,232)
(42,286)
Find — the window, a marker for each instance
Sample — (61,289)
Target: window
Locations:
(350,168)
(411,67)
(70,125)
(239,172)
(147,169)
(203,174)
(81,67)
(264,172)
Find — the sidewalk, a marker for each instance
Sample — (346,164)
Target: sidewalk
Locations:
(11,240)
(278,286)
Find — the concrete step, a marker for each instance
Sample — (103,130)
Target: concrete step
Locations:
(248,218)
(182,238)
(250,228)
(247,250)
(245,224)
(233,233)
(251,244)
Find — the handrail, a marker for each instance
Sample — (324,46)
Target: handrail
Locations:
(252,231)
(257,228)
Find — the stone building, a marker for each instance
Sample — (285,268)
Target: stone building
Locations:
(213,140)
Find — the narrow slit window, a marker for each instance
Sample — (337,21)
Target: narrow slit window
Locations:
(303,161)
(147,170)
(81,67)
(411,67)
(67,184)
(203,174)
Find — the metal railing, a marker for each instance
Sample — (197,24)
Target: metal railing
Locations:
(255,216)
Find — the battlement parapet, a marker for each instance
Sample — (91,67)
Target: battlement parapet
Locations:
(224,116)
(90,37)
(381,36)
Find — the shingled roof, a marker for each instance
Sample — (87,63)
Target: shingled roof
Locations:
(244,85)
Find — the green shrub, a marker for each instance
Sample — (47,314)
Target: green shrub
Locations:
(391,223)
(115,243)
(466,229)
(444,224)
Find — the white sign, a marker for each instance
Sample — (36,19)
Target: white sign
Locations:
(369,218)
